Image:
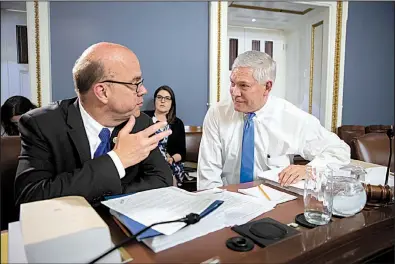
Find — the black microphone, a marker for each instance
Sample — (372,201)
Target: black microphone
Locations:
(189,220)
(390,134)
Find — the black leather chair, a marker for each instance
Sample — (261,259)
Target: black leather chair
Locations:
(193,136)
(10,151)
(192,140)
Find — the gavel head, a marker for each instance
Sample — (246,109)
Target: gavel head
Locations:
(378,194)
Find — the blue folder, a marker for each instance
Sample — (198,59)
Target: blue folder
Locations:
(134,226)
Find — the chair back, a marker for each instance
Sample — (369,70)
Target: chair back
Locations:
(377,128)
(193,129)
(193,136)
(10,151)
(373,148)
(349,132)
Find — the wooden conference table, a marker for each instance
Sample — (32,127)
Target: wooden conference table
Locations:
(346,240)
(356,239)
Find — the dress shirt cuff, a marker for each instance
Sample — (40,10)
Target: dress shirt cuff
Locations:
(118,163)
(320,161)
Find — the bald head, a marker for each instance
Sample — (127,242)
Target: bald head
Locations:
(99,62)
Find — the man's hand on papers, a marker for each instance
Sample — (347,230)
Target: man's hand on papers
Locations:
(292,174)
(133,148)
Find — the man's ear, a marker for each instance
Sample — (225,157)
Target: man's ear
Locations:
(268,87)
(101,92)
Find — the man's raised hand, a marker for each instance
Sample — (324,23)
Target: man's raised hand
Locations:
(133,148)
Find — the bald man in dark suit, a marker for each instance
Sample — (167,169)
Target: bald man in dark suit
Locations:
(97,144)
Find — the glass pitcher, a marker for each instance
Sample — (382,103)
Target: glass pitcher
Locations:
(349,195)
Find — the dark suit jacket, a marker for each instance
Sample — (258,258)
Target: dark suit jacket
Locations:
(176,141)
(56,161)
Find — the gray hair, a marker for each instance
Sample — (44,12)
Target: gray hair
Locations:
(262,65)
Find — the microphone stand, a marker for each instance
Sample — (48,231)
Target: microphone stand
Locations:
(189,220)
(390,134)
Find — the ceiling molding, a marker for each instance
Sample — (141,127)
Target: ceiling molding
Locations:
(277,10)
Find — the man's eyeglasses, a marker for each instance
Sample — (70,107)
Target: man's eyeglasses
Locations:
(127,84)
(166,98)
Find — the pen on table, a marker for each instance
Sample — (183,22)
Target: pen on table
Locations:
(263,192)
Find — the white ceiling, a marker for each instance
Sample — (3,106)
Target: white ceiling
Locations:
(268,19)
(20,5)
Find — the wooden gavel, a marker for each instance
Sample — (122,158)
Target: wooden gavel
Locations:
(379,194)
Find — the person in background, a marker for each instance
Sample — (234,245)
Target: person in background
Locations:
(256,131)
(11,112)
(173,148)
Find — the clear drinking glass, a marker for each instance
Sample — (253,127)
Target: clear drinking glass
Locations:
(318,195)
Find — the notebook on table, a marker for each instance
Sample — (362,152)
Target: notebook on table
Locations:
(130,226)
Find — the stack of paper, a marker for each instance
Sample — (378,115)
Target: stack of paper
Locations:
(374,176)
(271,177)
(171,203)
(237,209)
(274,195)
(163,204)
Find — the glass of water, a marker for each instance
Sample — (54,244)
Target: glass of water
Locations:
(318,195)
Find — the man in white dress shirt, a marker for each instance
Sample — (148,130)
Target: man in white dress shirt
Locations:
(257,131)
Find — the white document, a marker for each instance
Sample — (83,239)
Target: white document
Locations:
(157,205)
(275,196)
(237,209)
(16,249)
(272,176)
(376,176)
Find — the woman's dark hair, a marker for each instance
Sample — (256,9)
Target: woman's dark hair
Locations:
(14,106)
(171,116)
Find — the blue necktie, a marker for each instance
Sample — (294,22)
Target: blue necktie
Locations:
(104,146)
(247,153)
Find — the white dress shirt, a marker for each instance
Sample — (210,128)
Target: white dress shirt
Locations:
(281,130)
(93,128)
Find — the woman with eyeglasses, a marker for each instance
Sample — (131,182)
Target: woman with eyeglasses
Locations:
(173,147)
(11,112)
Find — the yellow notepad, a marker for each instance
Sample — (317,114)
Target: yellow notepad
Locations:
(4,247)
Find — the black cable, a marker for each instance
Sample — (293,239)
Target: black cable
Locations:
(189,220)
(390,134)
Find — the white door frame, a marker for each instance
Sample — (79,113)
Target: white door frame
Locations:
(245,35)
(219,59)
(39,53)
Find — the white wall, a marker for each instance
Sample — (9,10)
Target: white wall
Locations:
(318,92)
(245,37)
(298,53)
(295,71)
(14,77)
